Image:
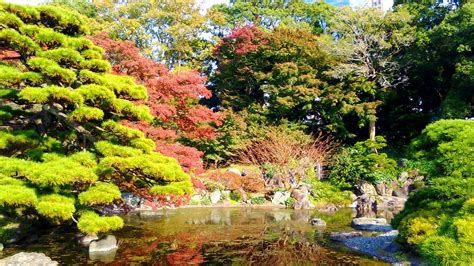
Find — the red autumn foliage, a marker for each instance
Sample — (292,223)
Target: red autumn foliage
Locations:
(173,100)
(243,40)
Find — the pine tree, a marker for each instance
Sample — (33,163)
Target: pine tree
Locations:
(65,150)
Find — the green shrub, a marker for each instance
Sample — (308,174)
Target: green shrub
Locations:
(235,196)
(290,202)
(438,221)
(445,148)
(324,192)
(362,162)
(258,200)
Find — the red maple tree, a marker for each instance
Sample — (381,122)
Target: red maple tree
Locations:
(173,100)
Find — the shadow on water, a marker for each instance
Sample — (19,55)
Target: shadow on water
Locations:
(213,236)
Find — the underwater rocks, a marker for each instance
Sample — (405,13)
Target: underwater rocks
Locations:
(104,249)
(107,244)
(342,236)
(381,246)
(28,259)
(318,222)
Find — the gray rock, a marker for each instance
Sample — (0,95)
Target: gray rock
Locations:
(371,224)
(367,188)
(215,196)
(382,246)
(390,202)
(28,259)
(107,244)
(281,197)
(342,236)
(86,240)
(318,222)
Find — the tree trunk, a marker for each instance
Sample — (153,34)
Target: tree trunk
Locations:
(372,130)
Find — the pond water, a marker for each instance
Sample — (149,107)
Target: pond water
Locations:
(213,236)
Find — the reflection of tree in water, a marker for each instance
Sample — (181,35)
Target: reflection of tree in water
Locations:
(290,247)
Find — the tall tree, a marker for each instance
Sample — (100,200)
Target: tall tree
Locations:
(368,44)
(64,149)
(172,32)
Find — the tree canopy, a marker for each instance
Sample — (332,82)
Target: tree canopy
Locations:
(65,150)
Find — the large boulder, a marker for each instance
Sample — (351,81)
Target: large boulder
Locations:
(28,259)
(281,197)
(365,205)
(107,244)
(371,224)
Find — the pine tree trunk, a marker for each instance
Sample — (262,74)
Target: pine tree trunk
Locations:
(372,130)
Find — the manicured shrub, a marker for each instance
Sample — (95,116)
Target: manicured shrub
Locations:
(445,147)
(437,220)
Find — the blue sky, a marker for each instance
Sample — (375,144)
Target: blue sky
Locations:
(207,3)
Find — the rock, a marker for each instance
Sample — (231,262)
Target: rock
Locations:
(86,240)
(365,205)
(381,246)
(1,246)
(107,244)
(281,197)
(404,190)
(318,222)
(366,188)
(28,259)
(371,224)
(384,189)
(403,176)
(215,196)
(301,196)
(106,257)
(342,236)
(235,171)
(389,202)
(330,208)
(131,200)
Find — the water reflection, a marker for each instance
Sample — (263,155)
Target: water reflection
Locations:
(214,236)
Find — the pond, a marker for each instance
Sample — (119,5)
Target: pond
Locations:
(213,236)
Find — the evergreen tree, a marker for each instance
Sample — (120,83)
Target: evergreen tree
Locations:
(65,151)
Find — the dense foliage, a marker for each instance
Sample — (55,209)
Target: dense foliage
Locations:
(173,100)
(438,219)
(64,149)
(254,82)
(362,162)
